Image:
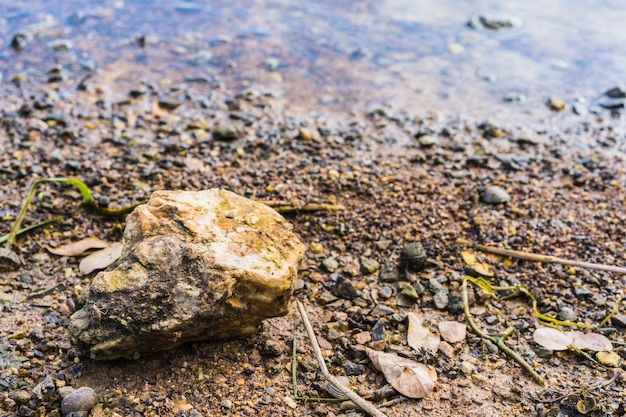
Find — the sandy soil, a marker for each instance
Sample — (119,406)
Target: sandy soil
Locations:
(398,187)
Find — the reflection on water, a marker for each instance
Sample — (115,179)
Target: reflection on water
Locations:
(422,55)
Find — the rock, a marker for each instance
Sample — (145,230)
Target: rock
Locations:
(196,265)
(615,92)
(78,403)
(556,104)
(225,133)
(330,264)
(427,141)
(21,396)
(369,265)
(9,261)
(567,314)
(495,195)
(493,22)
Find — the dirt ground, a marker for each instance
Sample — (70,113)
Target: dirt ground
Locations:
(402,178)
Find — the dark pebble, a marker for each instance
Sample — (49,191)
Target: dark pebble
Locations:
(353,369)
(378,332)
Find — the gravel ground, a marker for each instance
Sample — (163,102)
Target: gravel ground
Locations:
(403,178)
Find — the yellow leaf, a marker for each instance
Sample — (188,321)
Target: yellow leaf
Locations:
(471,261)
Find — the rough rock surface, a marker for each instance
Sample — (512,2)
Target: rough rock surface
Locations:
(196,265)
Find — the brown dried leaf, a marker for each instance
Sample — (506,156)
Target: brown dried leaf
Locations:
(101,259)
(552,339)
(452,331)
(80,247)
(410,378)
(419,336)
(590,341)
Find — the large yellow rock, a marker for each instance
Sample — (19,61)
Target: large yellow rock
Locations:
(196,265)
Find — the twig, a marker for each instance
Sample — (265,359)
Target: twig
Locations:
(294,381)
(498,341)
(282,206)
(548,259)
(356,399)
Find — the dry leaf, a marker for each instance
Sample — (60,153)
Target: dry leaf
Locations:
(419,336)
(590,341)
(410,378)
(452,331)
(101,259)
(481,268)
(78,248)
(552,339)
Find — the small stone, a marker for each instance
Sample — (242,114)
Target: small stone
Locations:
(226,133)
(495,195)
(227,404)
(491,320)
(21,396)
(567,314)
(316,248)
(326,297)
(378,332)
(9,261)
(79,403)
(362,338)
(615,92)
(452,331)
(556,103)
(385,292)
(446,348)
(330,264)
(305,134)
(582,291)
(467,368)
(272,348)
(354,369)
(441,300)
(369,265)
(427,141)
(389,273)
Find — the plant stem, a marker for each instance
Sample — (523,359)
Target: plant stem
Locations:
(498,341)
(548,259)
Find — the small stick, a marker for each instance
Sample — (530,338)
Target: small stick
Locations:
(548,259)
(361,402)
(282,206)
(498,341)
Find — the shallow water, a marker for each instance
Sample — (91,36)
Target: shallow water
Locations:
(335,55)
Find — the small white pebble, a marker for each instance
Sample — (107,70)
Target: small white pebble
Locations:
(290,402)
(467,368)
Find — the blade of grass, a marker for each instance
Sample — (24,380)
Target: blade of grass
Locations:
(32,227)
(84,192)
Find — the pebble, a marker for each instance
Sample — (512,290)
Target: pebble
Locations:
(389,273)
(619,320)
(495,195)
(556,103)
(567,314)
(378,332)
(330,264)
(226,133)
(385,292)
(78,403)
(369,265)
(441,300)
(428,141)
(354,369)
(467,368)
(21,396)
